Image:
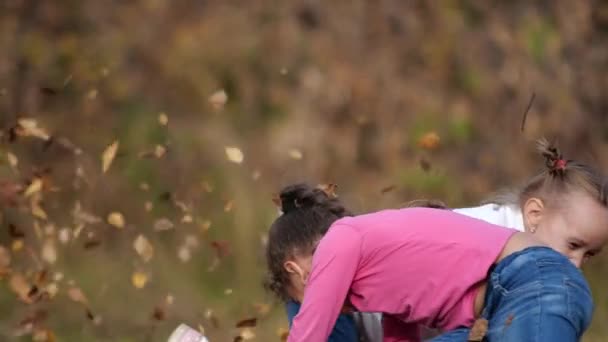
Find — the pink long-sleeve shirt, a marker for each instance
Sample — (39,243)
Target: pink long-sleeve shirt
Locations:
(417,266)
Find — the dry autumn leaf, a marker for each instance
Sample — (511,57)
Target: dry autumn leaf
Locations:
(34,187)
(12,159)
(228,206)
(144,248)
(184,254)
(29,128)
(108,156)
(17,245)
(429,141)
(5,258)
(76,295)
(49,252)
(163,224)
(247,323)
(247,334)
(295,154)
(116,219)
(37,210)
(21,287)
(234,154)
(139,279)
(218,99)
(163,119)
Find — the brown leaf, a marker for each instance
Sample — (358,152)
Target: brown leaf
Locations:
(429,141)
(228,206)
(5,258)
(49,252)
(15,232)
(21,287)
(388,189)
(249,322)
(159,313)
(329,189)
(425,165)
(89,244)
(221,248)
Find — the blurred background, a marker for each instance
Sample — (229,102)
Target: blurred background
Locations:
(143,140)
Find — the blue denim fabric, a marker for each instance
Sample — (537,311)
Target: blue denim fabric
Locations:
(345,329)
(533,295)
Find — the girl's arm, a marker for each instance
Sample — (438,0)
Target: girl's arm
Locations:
(345,329)
(334,265)
(395,330)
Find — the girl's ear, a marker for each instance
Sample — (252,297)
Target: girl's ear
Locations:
(292,267)
(533,211)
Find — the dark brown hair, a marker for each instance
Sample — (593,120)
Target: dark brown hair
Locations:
(560,177)
(307,214)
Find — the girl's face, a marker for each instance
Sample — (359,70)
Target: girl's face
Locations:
(576,227)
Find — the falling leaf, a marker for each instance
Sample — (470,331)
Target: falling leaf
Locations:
(17,245)
(52,289)
(247,323)
(228,292)
(169,299)
(295,154)
(247,334)
(262,308)
(205,225)
(49,252)
(191,241)
(5,258)
(21,287)
(34,187)
(184,254)
(163,224)
(208,187)
(329,189)
(429,141)
(139,279)
(228,206)
(116,219)
(29,127)
(108,156)
(221,248)
(92,94)
(163,119)
(283,334)
(64,235)
(143,248)
(425,165)
(187,219)
(76,295)
(234,154)
(37,210)
(388,189)
(12,159)
(14,231)
(218,99)
(148,206)
(159,151)
(144,186)
(159,313)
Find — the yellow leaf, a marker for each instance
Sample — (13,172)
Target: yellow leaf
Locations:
(116,219)
(205,225)
(17,245)
(163,119)
(108,156)
(34,187)
(234,154)
(139,279)
(295,154)
(144,248)
(218,99)
(12,159)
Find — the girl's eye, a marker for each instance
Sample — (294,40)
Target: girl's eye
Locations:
(573,246)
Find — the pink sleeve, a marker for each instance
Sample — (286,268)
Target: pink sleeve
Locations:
(333,268)
(395,330)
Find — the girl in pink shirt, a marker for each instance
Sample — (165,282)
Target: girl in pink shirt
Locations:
(421,266)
